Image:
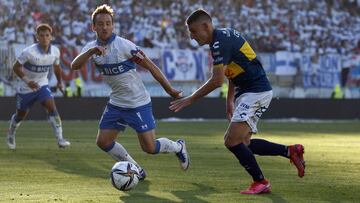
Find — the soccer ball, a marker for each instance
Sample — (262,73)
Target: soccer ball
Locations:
(124,175)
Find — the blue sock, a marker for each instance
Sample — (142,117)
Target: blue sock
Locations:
(248,161)
(263,147)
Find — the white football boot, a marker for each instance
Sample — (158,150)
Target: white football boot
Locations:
(183,156)
(10,140)
(62,143)
(142,173)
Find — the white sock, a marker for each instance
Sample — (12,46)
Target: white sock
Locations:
(119,153)
(55,122)
(13,125)
(167,145)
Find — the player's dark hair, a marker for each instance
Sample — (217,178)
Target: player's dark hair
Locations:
(105,9)
(199,14)
(42,27)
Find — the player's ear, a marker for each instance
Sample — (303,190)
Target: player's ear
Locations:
(93,27)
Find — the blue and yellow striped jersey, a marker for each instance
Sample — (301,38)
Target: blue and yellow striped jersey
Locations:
(244,69)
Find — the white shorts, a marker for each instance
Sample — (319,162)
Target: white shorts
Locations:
(250,106)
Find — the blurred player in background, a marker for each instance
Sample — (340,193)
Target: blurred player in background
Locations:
(32,67)
(129,103)
(249,92)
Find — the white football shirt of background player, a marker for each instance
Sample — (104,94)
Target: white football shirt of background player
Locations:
(36,65)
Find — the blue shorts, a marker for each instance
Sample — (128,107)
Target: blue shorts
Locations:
(25,101)
(140,118)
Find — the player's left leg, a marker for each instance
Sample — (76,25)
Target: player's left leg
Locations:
(293,152)
(164,145)
(142,120)
(54,119)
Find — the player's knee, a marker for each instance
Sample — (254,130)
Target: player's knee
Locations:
(149,149)
(103,142)
(230,142)
(19,118)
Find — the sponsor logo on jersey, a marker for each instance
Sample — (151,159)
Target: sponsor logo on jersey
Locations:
(218,59)
(216,45)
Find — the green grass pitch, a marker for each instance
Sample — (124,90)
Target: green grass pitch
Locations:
(38,171)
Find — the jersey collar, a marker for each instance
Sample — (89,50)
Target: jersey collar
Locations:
(108,41)
(41,50)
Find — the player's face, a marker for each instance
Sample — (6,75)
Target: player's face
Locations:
(199,32)
(103,26)
(44,38)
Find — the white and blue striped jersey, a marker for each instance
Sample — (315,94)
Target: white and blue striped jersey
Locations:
(118,68)
(36,65)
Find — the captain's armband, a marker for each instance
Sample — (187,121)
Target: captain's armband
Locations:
(138,55)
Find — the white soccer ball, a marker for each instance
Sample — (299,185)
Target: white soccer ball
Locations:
(124,175)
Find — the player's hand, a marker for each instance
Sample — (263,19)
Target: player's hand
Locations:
(60,87)
(175,93)
(33,85)
(179,104)
(98,50)
(229,110)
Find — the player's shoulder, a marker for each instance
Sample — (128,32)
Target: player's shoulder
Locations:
(55,49)
(30,48)
(90,44)
(226,34)
(226,38)
(123,42)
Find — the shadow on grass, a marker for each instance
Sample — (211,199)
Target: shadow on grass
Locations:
(275,198)
(139,194)
(65,160)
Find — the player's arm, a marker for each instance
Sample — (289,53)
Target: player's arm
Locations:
(148,64)
(17,67)
(230,100)
(81,59)
(215,81)
(58,71)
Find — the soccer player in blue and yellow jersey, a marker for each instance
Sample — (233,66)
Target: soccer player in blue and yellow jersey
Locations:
(249,96)
(32,67)
(129,103)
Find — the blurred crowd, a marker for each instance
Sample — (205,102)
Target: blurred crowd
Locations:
(323,26)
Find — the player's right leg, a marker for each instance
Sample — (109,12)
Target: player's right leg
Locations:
(109,127)
(106,140)
(23,104)
(14,125)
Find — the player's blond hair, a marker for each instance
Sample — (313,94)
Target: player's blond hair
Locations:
(42,27)
(105,9)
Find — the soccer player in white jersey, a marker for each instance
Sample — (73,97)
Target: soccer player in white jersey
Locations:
(32,66)
(129,103)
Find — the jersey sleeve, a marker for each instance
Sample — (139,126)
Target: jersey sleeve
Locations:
(24,57)
(221,53)
(85,48)
(132,51)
